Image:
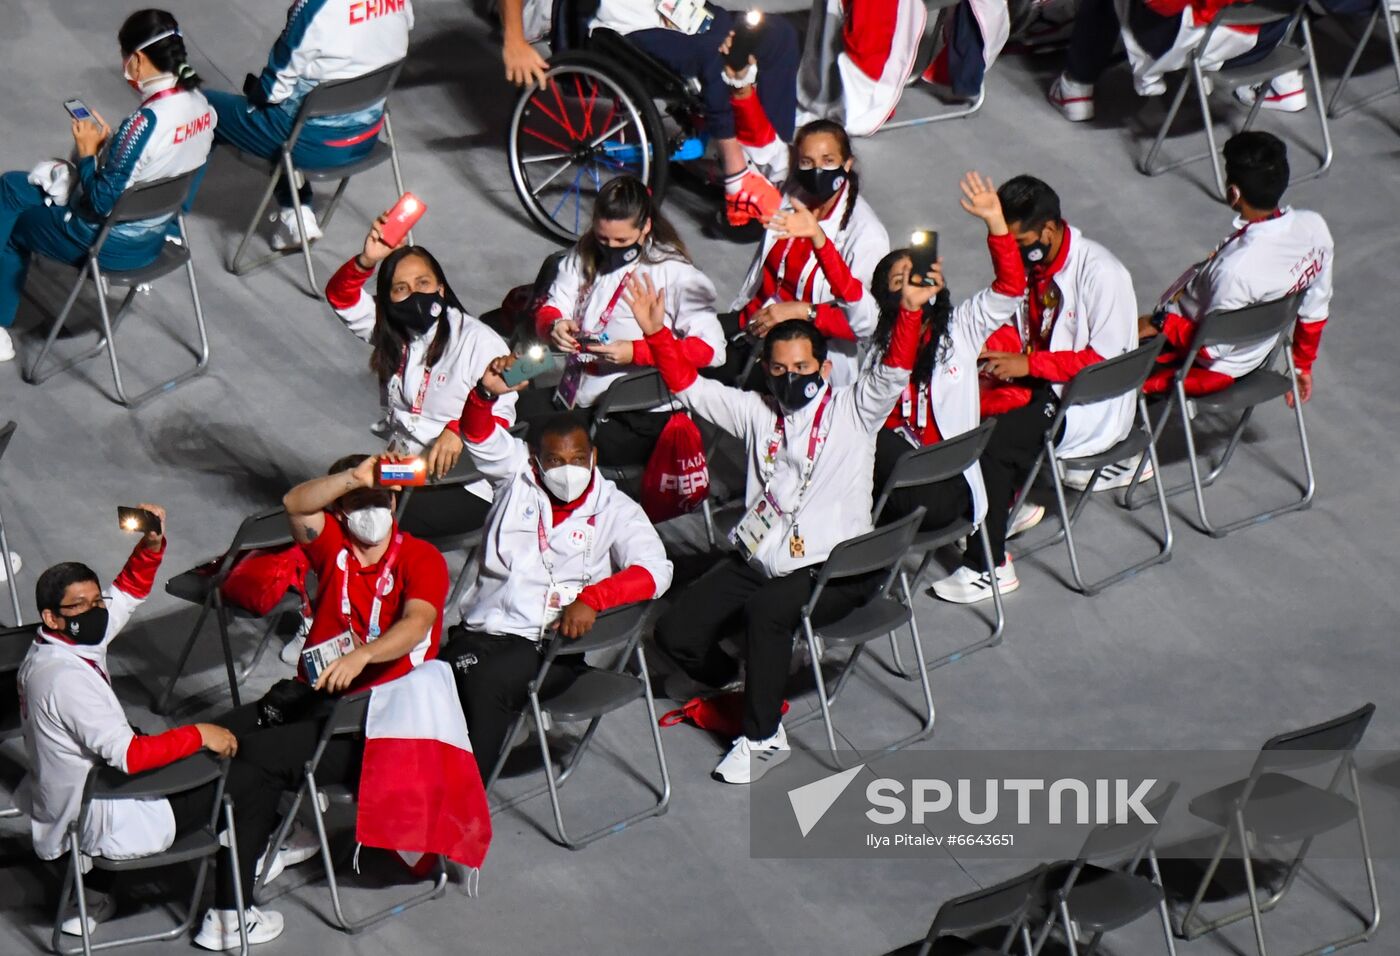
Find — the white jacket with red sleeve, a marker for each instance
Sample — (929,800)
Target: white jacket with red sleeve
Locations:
(72,721)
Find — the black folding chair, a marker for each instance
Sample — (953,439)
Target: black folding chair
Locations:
(883,615)
(265,529)
(595,693)
(199,846)
(1383,15)
(1272,806)
(7,431)
(1285,58)
(160,199)
(1101,382)
(332,98)
(1086,898)
(920,467)
(1007,905)
(14,646)
(640,390)
(346,719)
(1247,326)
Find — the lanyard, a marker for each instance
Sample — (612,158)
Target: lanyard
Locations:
(543,537)
(1178,288)
(907,407)
(93,664)
(1050,300)
(417,406)
(770,458)
(160,96)
(380,586)
(606,316)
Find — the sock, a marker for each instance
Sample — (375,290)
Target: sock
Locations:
(734,181)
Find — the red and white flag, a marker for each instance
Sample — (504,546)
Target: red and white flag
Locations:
(420,789)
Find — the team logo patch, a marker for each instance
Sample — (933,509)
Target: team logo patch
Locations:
(955,372)
(528,513)
(577,537)
(388,585)
(442,378)
(630,254)
(436,310)
(838,182)
(811,390)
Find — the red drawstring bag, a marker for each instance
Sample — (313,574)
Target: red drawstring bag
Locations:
(722,714)
(677,478)
(261,577)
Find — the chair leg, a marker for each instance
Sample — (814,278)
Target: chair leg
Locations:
(1148,166)
(10,573)
(1162,912)
(291,173)
(709,514)
(1315,76)
(1208,119)
(162,704)
(231,829)
(222,617)
(1071,943)
(334,204)
(1251,890)
(262,646)
(236,265)
(959,113)
(33,376)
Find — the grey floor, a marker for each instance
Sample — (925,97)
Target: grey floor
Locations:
(1278,626)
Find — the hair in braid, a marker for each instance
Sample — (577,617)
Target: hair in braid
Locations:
(843,140)
(168,54)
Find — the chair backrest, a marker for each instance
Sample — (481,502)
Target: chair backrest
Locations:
(877,550)
(266,529)
(1253,323)
(196,770)
(937,462)
(1315,745)
(153,200)
(1120,375)
(352,95)
(348,717)
(1258,12)
(1001,905)
(635,391)
(613,628)
(7,431)
(1131,836)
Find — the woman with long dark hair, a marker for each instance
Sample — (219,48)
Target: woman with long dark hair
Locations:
(587,315)
(169,134)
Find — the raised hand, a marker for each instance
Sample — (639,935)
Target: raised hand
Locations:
(980,199)
(914,297)
(376,250)
(800,223)
(647,302)
(492,381)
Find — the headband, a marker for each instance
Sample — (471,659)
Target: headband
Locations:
(156,39)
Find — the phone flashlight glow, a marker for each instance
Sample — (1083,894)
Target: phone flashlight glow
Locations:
(536,352)
(919,238)
(753,18)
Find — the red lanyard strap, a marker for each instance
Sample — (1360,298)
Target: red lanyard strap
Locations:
(813,444)
(417,406)
(381,586)
(607,313)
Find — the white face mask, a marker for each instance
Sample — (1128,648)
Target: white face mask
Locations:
(567,482)
(370,525)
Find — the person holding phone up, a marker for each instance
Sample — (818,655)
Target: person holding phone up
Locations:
(427,351)
(169,134)
(586,315)
(72,721)
(562,545)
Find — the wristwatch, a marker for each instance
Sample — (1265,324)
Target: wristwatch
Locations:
(1158,319)
(484,393)
(812,312)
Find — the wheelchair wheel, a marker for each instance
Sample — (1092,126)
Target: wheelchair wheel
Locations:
(591,124)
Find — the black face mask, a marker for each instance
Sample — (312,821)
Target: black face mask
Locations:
(612,258)
(416,314)
(820,184)
(1036,255)
(88,627)
(794,390)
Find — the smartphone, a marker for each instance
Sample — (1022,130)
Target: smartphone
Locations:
(401,472)
(138,519)
(923,251)
(746,33)
(401,219)
(536,360)
(77,109)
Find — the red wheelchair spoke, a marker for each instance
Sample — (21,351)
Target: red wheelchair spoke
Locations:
(564,111)
(563,147)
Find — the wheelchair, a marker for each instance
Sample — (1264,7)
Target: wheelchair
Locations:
(600,116)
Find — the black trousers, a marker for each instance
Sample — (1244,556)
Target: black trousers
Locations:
(626,438)
(761,613)
(1011,451)
(943,502)
(493,674)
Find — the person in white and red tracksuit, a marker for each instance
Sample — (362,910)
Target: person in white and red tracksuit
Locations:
(563,544)
(1080,309)
(1272,252)
(73,721)
(816,259)
(810,450)
(323,40)
(168,135)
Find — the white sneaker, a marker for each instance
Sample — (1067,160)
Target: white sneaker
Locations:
(291,653)
(749,759)
(1026,519)
(220,929)
(7,346)
(966,586)
(14,559)
(285,235)
(1116,475)
(1285,93)
(1075,101)
(301,845)
(100,908)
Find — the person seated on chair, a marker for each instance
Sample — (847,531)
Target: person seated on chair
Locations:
(941,399)
(816,259)
(1159,37)
(1079,309)
(586,315)
(73,722)
(428,353)
(562,545)
(380,591)
(57,210)
(323,40)
(1273,252)
(811,451)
